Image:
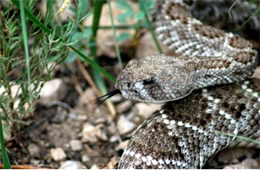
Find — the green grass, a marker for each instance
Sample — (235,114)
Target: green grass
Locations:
(5,158)
(47,30)
(239,137)
(25,40)
(114,34)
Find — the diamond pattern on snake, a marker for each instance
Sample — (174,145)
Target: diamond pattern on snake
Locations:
(201,87)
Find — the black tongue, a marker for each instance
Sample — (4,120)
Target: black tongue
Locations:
(102,99)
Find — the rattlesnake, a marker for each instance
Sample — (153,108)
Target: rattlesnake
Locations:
(184,133)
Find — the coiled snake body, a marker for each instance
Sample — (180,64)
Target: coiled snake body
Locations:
(186,132)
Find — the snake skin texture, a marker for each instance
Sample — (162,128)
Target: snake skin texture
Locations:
(193,126)
(206,57)
(184,133)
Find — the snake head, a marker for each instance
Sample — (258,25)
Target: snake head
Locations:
(155,78)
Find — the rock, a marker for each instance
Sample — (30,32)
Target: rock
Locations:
(250,163)
(52,90)
(246,164)
(35,162)
(122,145)
(116,98)
(73,116)
(92,133)
(76,145)
(105,37)
(71,164)
(232,155)
(58,154)
(257,73)
(145,110)
(114,139)
(94,167)
(60,117)
(124,106)
(76,116)
(15,90)
(100,120)
(34,150)
(89,133)
(147,47)
(85,158)
(125,126)
(87,99)
(100,134)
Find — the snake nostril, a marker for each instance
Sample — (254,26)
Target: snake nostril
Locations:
(126,85)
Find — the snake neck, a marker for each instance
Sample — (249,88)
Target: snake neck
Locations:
(209,73)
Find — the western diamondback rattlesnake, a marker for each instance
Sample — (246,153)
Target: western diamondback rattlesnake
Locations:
(183,134)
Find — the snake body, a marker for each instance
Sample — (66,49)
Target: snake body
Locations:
(185,133)
(206,56)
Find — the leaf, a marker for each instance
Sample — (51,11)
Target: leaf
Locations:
(87,33)
(125,6)
(147,5)
(123,36)
(140,15)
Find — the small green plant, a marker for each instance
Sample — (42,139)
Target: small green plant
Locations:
(21,78)
(23,72)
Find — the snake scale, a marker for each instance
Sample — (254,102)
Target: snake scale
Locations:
(189,128)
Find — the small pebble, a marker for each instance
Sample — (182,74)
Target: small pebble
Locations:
(34,150)
(58,154)
(76,145)
(87,96)
(73,115)
(35,162)
(94,167)
(125,126)
(246,164)
(53,90)
(124,106)
(100,134)
(71,164)
(60,117)
(122,145)
(89,133)
(116,98)
(114,139)
(100,120)
(145,110)
(85,158)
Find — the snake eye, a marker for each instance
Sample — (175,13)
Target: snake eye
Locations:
(149,81)
(128,85)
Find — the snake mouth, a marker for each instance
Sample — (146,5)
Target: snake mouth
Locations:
(103,98)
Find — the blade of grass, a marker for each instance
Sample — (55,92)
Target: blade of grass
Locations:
(114,34)
(231,7)
(240,137)
(94,64)
(24,32)
(47,30)
(93,50)
(150,25)
(5,158)
(256,12)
